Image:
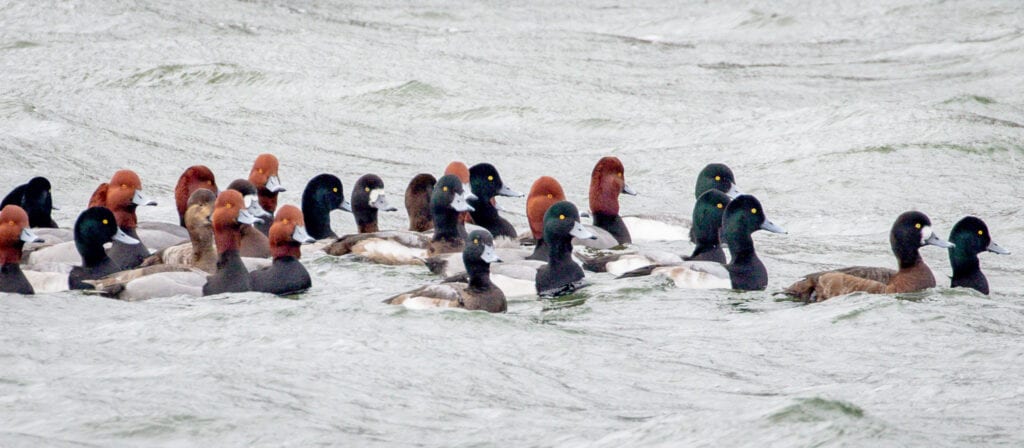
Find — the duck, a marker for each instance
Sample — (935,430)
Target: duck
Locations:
(743,216)
(716,176)
(264,176)
(447,201)
(323,194)
(486,184)
(124,195)
(707,225)
(561,275)
(35,198)
(254,242)
(461,170)
(476,293)
(194,178)
(417,202)
(199,251)
(969,238)
(367,199)
(545,192)
(607,181)
(910,232)
(286,275)
(14,233)
(229,215)
(95,227)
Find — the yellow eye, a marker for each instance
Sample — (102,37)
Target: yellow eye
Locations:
(366,189)
(124,185)
(444,188)
(476,241)
(753,210)
(228,205)
(11,223)
(620,174)
(981,232)
(209,182)
(335,189)
(720,205)
(562,217)
(917,226)
(550,196)
(286,221)
(718,178)
(490,178)
(105,222)
(260,171)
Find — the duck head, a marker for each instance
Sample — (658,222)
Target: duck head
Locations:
(912,231)
(417,202)
(716,176)
(229,215)
(194,178)
(544,193)
(124,195)
(263,176)
(607,181)
(288,233)
(14,233)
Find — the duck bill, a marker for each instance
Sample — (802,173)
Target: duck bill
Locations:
(460,205)
(733,192)
(489,255)
(29,236)
(506,191)
(301,236)
(244,217)
(381,203)
(772,227)
(345,206)
(139,199)
(934,240)
(122,237)
(580,232)
(252,205)
(626,189)
(997,249)
(274,185)
(468,191)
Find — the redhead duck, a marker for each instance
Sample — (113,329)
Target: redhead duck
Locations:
(970,237)
(95,227)
(476,293)
(417,202)
(199,251)
(486,184)
(254,243)
(14,233)
(743,216)
(561,275)
(123,196)
(286,275)
(34,197)
(323,194)
(229,215)
(263,176)
(367,199)
(607,181)
(447,201)
(194,178)
(911,231)
(545,192)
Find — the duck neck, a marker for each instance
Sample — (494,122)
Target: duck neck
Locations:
(559,248)
(286,249)
(268,199)
(741,248)
(446,224)
(908,258)
(366,218)
(202,246)
(479,274)
(92,252)
(125,217)
(229,262)
(484,214)
(967,270)
(11,254)
(317,217)
(708,252)
(228,239)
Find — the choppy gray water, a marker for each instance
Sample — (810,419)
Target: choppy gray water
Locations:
(837,116)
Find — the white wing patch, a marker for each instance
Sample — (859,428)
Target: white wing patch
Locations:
(697,275)
(44,282)
(650,230)
(389,252)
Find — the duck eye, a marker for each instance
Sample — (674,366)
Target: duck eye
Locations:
(720,205)
(753,210)
(335,189)
(124,185)
(620,174)
(260,170)
(981,232)
(105,222)
(718,178)
(286,220)
(11,223)
(366,189)
(228,205)
(561,217)
(444,188)
(917,226)
(490,178)
(476,240)
(550,196)
(209,182)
